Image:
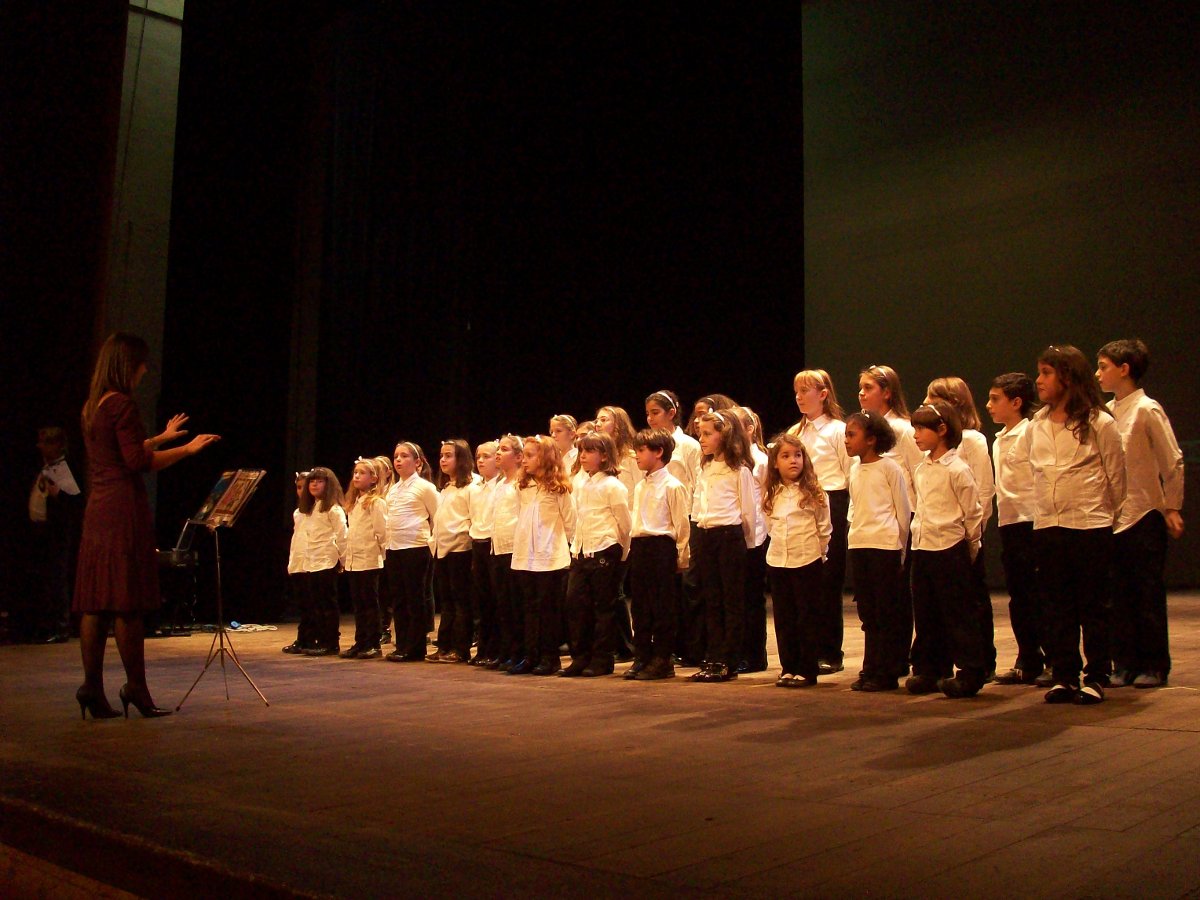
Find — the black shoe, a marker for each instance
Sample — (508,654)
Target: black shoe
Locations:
(59,638)
(521,667)
(921,684)
(826,667)
(957,687)
(549,666)
(370,653)
(655,670)
(396,656)
(351,652)
(321,650)
(803,681)
(706,669)
(632,672)
(597,669)
(143,705)
(503,665)
(1046,679)
(879,685)
(294,647)
(1091,693)
(574,669)
(385,636)
(1017,675)
(96,703)
(1062,693)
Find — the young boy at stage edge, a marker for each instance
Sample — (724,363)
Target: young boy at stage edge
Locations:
(658,549)
(1153,499)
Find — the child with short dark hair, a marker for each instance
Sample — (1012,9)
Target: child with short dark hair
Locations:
(945,539)
(1153,500)
(658,549)
(878,517)
(1012,400)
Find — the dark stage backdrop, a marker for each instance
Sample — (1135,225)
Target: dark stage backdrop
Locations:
(984,179)
(421,221)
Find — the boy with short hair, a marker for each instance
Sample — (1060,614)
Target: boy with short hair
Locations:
(658,550)
(1154,497)
(1012,399)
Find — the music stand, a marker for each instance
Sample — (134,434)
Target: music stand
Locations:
(224,505)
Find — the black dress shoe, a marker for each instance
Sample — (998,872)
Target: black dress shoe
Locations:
(521,667)
(351,652)
(575,668)
(632,672)
(657,669)
(722,673)
(370,653)
(321,650)
(385,636)
(597,670)
(825,667)
(548,667)
(294,647)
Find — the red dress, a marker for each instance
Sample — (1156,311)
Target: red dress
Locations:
(118,564)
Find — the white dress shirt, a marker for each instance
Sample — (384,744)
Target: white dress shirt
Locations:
(757,474)
(1153,461)
(685,460)
(411,506)
(569,459)
(906,452)
(725,497)
(367,536)
(481,499)
(660,507)
(545,527)
(1075,485)
(452,521)
(321,540)
(629,472)
(879,512)
(799,534)
(1014,486)
(948,509)
(506,506)
(825,440)
(601,515)
(974,452)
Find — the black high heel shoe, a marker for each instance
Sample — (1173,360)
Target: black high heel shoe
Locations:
(147,709)
(93,703)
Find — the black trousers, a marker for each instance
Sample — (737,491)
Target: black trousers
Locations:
(754,627)
(946,615)
(319,614)
(721,567)
(884,611)
(1139,635)
(833,580)
(541,597)
(592,586)
(983,610)
(655,601)
(452,591)
(483,600)
(1019,559)
(691,636)
(364,595)
(1073,566)
(796,602)
(405,571)
(510,614)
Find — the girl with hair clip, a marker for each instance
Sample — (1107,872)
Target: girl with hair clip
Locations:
(481,497)
(541,553)
(600,545)
(614,421)
(798,518)
(563,428)
(706,404)
(412,502)
(451,546)
(366,512)
(822,431)
(1072,447)
(754,629)
(383,474)
(879,391)
(724,508)
(510,614)
(662,414)
(322,545)
(878,517)
(946,531)
(955,392)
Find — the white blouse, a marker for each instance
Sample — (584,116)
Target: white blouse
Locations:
(1153,461)
(602,515)
(367,537)
(660,507)
(320,541)
(545,527)
(825,440)
(948,508)
(1014,486)
(506,505)
(799,534)
(411,506)
(725,497)
(879,506)
(452,521)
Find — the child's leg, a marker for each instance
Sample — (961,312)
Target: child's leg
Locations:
(983,611)
(1058,591)
(580,614)
(784,611)
(808,599)
(641,570)
(828,608)
(754,624)
(1020,576)
(1091,561)
(731,566)
(930,659)
(483,599)
(607,609)
(408,596)
(958,604)
(691,636)
(463,625)
(508,611)
(1154,651)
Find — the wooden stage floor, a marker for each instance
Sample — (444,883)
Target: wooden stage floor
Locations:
(372,779)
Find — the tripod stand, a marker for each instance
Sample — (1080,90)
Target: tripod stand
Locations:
(221,645)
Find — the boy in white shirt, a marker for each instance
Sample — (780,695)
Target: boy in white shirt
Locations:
(1154,497)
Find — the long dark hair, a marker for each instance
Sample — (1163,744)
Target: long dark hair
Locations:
(1083,400)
